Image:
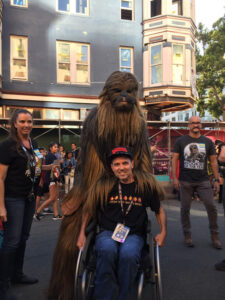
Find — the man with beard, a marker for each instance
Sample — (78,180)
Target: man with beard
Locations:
(193,151)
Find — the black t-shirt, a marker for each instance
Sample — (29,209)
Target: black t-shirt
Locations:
(17,183)
(49,159)
(136,218)
(193,155)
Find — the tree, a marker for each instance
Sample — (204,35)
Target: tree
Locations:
(210,62)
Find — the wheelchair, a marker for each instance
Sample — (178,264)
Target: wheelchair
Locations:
(149,273)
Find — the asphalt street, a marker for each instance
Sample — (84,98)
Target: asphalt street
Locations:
(187,273)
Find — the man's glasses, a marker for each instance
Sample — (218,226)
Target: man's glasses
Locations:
(195,123)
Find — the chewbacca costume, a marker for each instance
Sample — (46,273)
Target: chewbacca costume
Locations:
(116,121)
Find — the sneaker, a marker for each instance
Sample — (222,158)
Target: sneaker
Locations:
(55,218)
(47,211)
(38,217)
(220,266)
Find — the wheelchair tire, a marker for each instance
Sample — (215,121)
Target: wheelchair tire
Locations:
(158,273)
(155,277)
(80,289)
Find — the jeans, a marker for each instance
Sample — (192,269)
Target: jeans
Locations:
(205,193)
(117,265)
(19,220)
(68,182)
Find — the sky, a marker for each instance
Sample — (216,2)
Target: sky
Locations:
(208,11)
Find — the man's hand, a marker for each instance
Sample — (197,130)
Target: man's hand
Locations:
(3,214)
(160,238)
(81,240)
(216,187)
(176,184)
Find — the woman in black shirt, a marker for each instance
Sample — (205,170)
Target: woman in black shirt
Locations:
(17,203)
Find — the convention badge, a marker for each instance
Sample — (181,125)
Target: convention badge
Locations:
(38,153)
(120,233)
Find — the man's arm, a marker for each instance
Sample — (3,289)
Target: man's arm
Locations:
(215,170)
(82,237)
(161,218)
(174,170)
(3,173)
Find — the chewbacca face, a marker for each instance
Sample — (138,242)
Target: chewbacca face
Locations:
(121,90)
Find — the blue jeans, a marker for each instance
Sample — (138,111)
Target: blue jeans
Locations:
(19,220)
(117,265)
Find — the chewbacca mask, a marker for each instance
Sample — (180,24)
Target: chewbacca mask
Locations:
(117,120)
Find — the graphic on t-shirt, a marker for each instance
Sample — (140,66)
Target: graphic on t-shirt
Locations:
(194,156)
(126,200)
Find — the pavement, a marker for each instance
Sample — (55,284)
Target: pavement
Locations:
(187,273)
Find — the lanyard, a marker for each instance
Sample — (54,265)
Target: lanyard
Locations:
(121,202)
(31,163)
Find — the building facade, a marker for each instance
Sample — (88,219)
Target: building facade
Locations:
(57,54)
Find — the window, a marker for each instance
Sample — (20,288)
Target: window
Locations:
(18,57)
(126,59)
(178,64)
(73,63)
(127,8)
(71,114)
(177,8)
(156,64)
(74,6)
(155,8)
(22,3)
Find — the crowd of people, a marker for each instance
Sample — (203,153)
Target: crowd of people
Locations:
(61,174)
(30,178)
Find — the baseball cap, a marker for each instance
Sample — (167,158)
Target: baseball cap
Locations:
(120,151)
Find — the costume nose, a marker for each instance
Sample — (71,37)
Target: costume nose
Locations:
(124,94)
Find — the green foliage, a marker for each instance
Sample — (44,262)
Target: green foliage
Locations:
(210,61)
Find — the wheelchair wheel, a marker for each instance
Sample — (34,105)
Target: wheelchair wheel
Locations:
(84,276)
(155,276)
(158,273)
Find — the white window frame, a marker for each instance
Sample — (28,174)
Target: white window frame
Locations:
(73,62)
(178,82)
(17,5)
(72,8)
(156,64)
(131,68)
(12,71)
(125,8)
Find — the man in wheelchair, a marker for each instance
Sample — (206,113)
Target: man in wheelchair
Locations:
(122,229)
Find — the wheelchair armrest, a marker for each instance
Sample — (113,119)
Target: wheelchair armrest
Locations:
(91,226)
(148,226)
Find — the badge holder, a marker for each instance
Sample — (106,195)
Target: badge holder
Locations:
(120,233)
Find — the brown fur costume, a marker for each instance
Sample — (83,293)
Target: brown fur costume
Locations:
(116,121)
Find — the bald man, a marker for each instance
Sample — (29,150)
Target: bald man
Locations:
(193,151)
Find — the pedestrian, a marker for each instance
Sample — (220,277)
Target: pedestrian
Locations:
(122,223)
(69,165)
(17,201)
(193,151)
(74,150)
(52,178)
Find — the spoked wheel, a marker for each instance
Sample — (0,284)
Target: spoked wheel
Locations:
(83,278)
(87,284)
